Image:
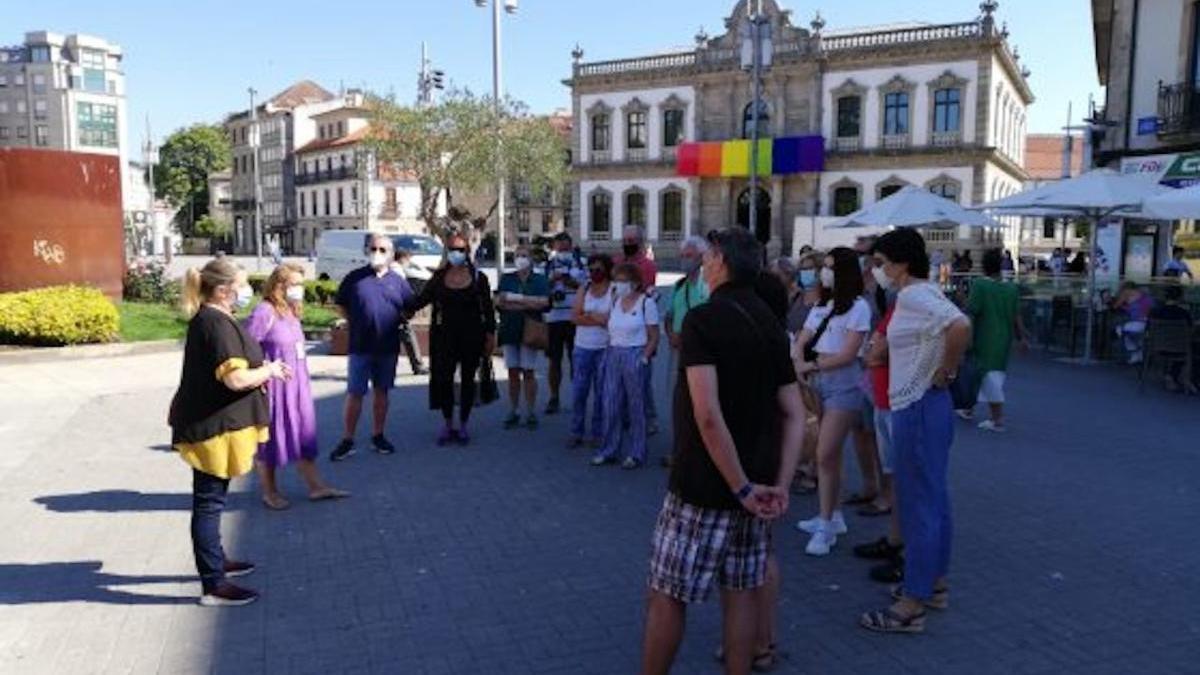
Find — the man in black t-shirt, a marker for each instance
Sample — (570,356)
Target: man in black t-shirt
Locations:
(739,426)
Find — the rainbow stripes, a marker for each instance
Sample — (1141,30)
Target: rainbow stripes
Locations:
(778,156)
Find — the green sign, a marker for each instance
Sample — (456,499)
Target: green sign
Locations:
(1184,171)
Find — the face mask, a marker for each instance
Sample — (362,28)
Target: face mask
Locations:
(827,278)
(456,258)
(690,265)
(807,278)
(564,256)
(522,262)
(379,260)
(862,263)
(597,276)
(295,294)
(630,250)
(622,288)
(884,281)
(242,299)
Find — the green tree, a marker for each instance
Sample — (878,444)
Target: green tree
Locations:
(210,227)
(453,145)
(185,160)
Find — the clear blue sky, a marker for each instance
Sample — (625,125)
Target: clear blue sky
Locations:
(190,62)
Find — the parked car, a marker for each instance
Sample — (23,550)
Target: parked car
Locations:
(340,251)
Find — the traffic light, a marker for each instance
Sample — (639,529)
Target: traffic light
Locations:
(438,79)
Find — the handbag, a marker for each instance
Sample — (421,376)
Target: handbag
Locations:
(810,347)
(488,390)
(535,334)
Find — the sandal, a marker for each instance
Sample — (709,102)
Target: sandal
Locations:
(880,549)
(939,600)
(764,661)
(276,503)
(889,572)
(890,621)
(856,499)
(873,510)
(327,493)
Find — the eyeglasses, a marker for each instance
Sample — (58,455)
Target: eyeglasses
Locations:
(458,250)
(379,249)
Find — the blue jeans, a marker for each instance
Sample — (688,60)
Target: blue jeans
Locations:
(208,500)
(624,397)
(587,377)
(921,437)
(648,394)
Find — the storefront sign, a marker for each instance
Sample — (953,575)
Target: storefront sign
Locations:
(1147,126)
(1176,171)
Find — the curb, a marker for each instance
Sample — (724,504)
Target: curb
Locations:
(26,355)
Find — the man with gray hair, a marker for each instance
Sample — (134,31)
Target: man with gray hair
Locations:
(689,292)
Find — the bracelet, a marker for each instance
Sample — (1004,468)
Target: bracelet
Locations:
(744,492)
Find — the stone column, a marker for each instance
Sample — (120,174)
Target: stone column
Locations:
(777,206)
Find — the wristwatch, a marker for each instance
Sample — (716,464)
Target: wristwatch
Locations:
(744,492)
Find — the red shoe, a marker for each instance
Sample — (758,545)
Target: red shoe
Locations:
(233,568)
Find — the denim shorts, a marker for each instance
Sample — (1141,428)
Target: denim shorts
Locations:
(377,369)
(883,441)
(840,388)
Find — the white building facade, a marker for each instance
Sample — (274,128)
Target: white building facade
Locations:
(942,107)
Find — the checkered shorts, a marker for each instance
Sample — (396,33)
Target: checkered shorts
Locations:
(693,545)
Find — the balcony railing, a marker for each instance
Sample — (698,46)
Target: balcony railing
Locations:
(600,157)
(313,177)
(635,155)
(942,139)
(847,143)
(951,31)
(896,141)
(1178,108)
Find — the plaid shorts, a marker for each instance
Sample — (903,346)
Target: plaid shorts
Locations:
(693,546)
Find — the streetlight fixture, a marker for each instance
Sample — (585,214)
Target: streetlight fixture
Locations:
(254,143)
(756,56)
(510,7)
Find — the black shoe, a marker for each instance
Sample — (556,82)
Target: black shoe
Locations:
(420,370)
(889,572)
(531,422)
(343,450)
(233,568)
(228,595)
(880,549)
(552,407)
(512,421)
(382,445)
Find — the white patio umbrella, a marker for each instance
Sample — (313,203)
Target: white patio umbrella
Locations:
(911,206)
(1095,195)
(1179,204)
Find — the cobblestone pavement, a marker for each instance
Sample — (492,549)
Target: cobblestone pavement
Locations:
(1075,551)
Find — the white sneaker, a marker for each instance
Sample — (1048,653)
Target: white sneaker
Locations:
(989,425)
(820,543)
(812,525)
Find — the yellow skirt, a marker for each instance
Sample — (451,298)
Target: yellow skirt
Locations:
(226,455)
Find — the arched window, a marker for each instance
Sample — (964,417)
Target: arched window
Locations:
(635,208)
(764,120)
(670,210)
(601,132)
(601,215)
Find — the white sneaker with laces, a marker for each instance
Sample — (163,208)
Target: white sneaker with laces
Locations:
(821,543)
(989,425)
(812,525)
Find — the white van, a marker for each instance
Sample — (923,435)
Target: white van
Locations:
(341,251)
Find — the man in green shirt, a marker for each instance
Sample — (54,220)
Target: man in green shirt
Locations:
(994,307)
(689,292)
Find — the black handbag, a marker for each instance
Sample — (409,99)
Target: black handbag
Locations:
(488,390)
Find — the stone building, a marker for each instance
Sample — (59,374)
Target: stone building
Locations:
(940,106)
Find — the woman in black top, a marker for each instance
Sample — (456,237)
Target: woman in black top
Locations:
(461,333)
(219,415)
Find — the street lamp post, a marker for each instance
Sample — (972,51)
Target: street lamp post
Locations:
(510,6)
(756,57)
(257,228)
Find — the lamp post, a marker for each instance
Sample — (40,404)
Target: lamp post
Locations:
(756,57)
(510,6)
(257,228)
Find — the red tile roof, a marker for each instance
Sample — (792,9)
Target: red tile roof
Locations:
(1044,156)
(304,91)
(325,143)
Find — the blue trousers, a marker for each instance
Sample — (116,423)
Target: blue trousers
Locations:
(208,500)
(648,394)
(587,377)
(921,437)
(624,398)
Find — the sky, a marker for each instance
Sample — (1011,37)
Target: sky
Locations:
(188,62)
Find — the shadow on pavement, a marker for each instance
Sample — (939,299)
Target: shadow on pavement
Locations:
(115,501)
(82,581)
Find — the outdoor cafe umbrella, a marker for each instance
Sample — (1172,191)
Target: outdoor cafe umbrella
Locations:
(1093,196)
(911,206)
(1180,204)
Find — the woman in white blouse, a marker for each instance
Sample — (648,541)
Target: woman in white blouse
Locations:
(926,338)
(593,303)
(828,349)
(632,339)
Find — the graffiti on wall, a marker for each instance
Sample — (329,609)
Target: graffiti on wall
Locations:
(49,252)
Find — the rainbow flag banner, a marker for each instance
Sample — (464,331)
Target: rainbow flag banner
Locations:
(776,156)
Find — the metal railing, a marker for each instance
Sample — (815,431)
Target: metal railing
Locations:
(313,177)
(847,143)
(1178,108)
(896,141)
(942,139)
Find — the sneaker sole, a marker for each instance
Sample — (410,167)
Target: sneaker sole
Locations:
(213,601)
(338,458)
(820,554)
(241,573)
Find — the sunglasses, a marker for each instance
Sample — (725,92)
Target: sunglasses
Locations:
(379,249)
(458,250)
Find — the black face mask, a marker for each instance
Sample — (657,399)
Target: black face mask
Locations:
(630,250)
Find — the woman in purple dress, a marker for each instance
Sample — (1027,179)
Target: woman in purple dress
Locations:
(275,323)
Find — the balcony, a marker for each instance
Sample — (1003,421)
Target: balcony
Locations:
(847,143)
(600,157)
(1178,108)
(636,155)
(945,139)
(314,177)
(896,141)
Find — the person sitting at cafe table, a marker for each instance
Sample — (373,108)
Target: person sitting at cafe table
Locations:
(1136,304)
(1173,309)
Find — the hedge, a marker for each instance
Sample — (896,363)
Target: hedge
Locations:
(56,316)
(315,292)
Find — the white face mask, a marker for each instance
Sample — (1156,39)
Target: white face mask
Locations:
(380,260)
(827,278)
(242,299)
(522,262)
(565,256)
(622,288)
(885,282)
(295,294)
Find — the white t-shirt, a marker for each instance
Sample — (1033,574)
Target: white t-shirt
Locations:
(917,341)
(594,337)
(628,329)
(857,320)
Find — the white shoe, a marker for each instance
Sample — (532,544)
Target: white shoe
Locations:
(988,425)
(812,525)
(965,414)
(820,543)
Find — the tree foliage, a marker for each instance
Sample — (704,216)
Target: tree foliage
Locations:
(210,227)
(185,160)
(453,146)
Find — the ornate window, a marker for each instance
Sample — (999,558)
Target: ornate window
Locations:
(889,186)
(848,108)
(945,186)
(600,118)
(600,205)
(896,101)
(845,197)
(674,116)
(946,93)
(764,120)
(636,137)
(635,207)
(670,210)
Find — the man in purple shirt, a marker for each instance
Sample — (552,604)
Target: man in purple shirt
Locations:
(371,299)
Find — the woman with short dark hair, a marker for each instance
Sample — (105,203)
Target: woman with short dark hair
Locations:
(927,336)
(593,304)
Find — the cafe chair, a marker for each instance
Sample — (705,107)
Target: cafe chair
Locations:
(1062,319)
(1168,343)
